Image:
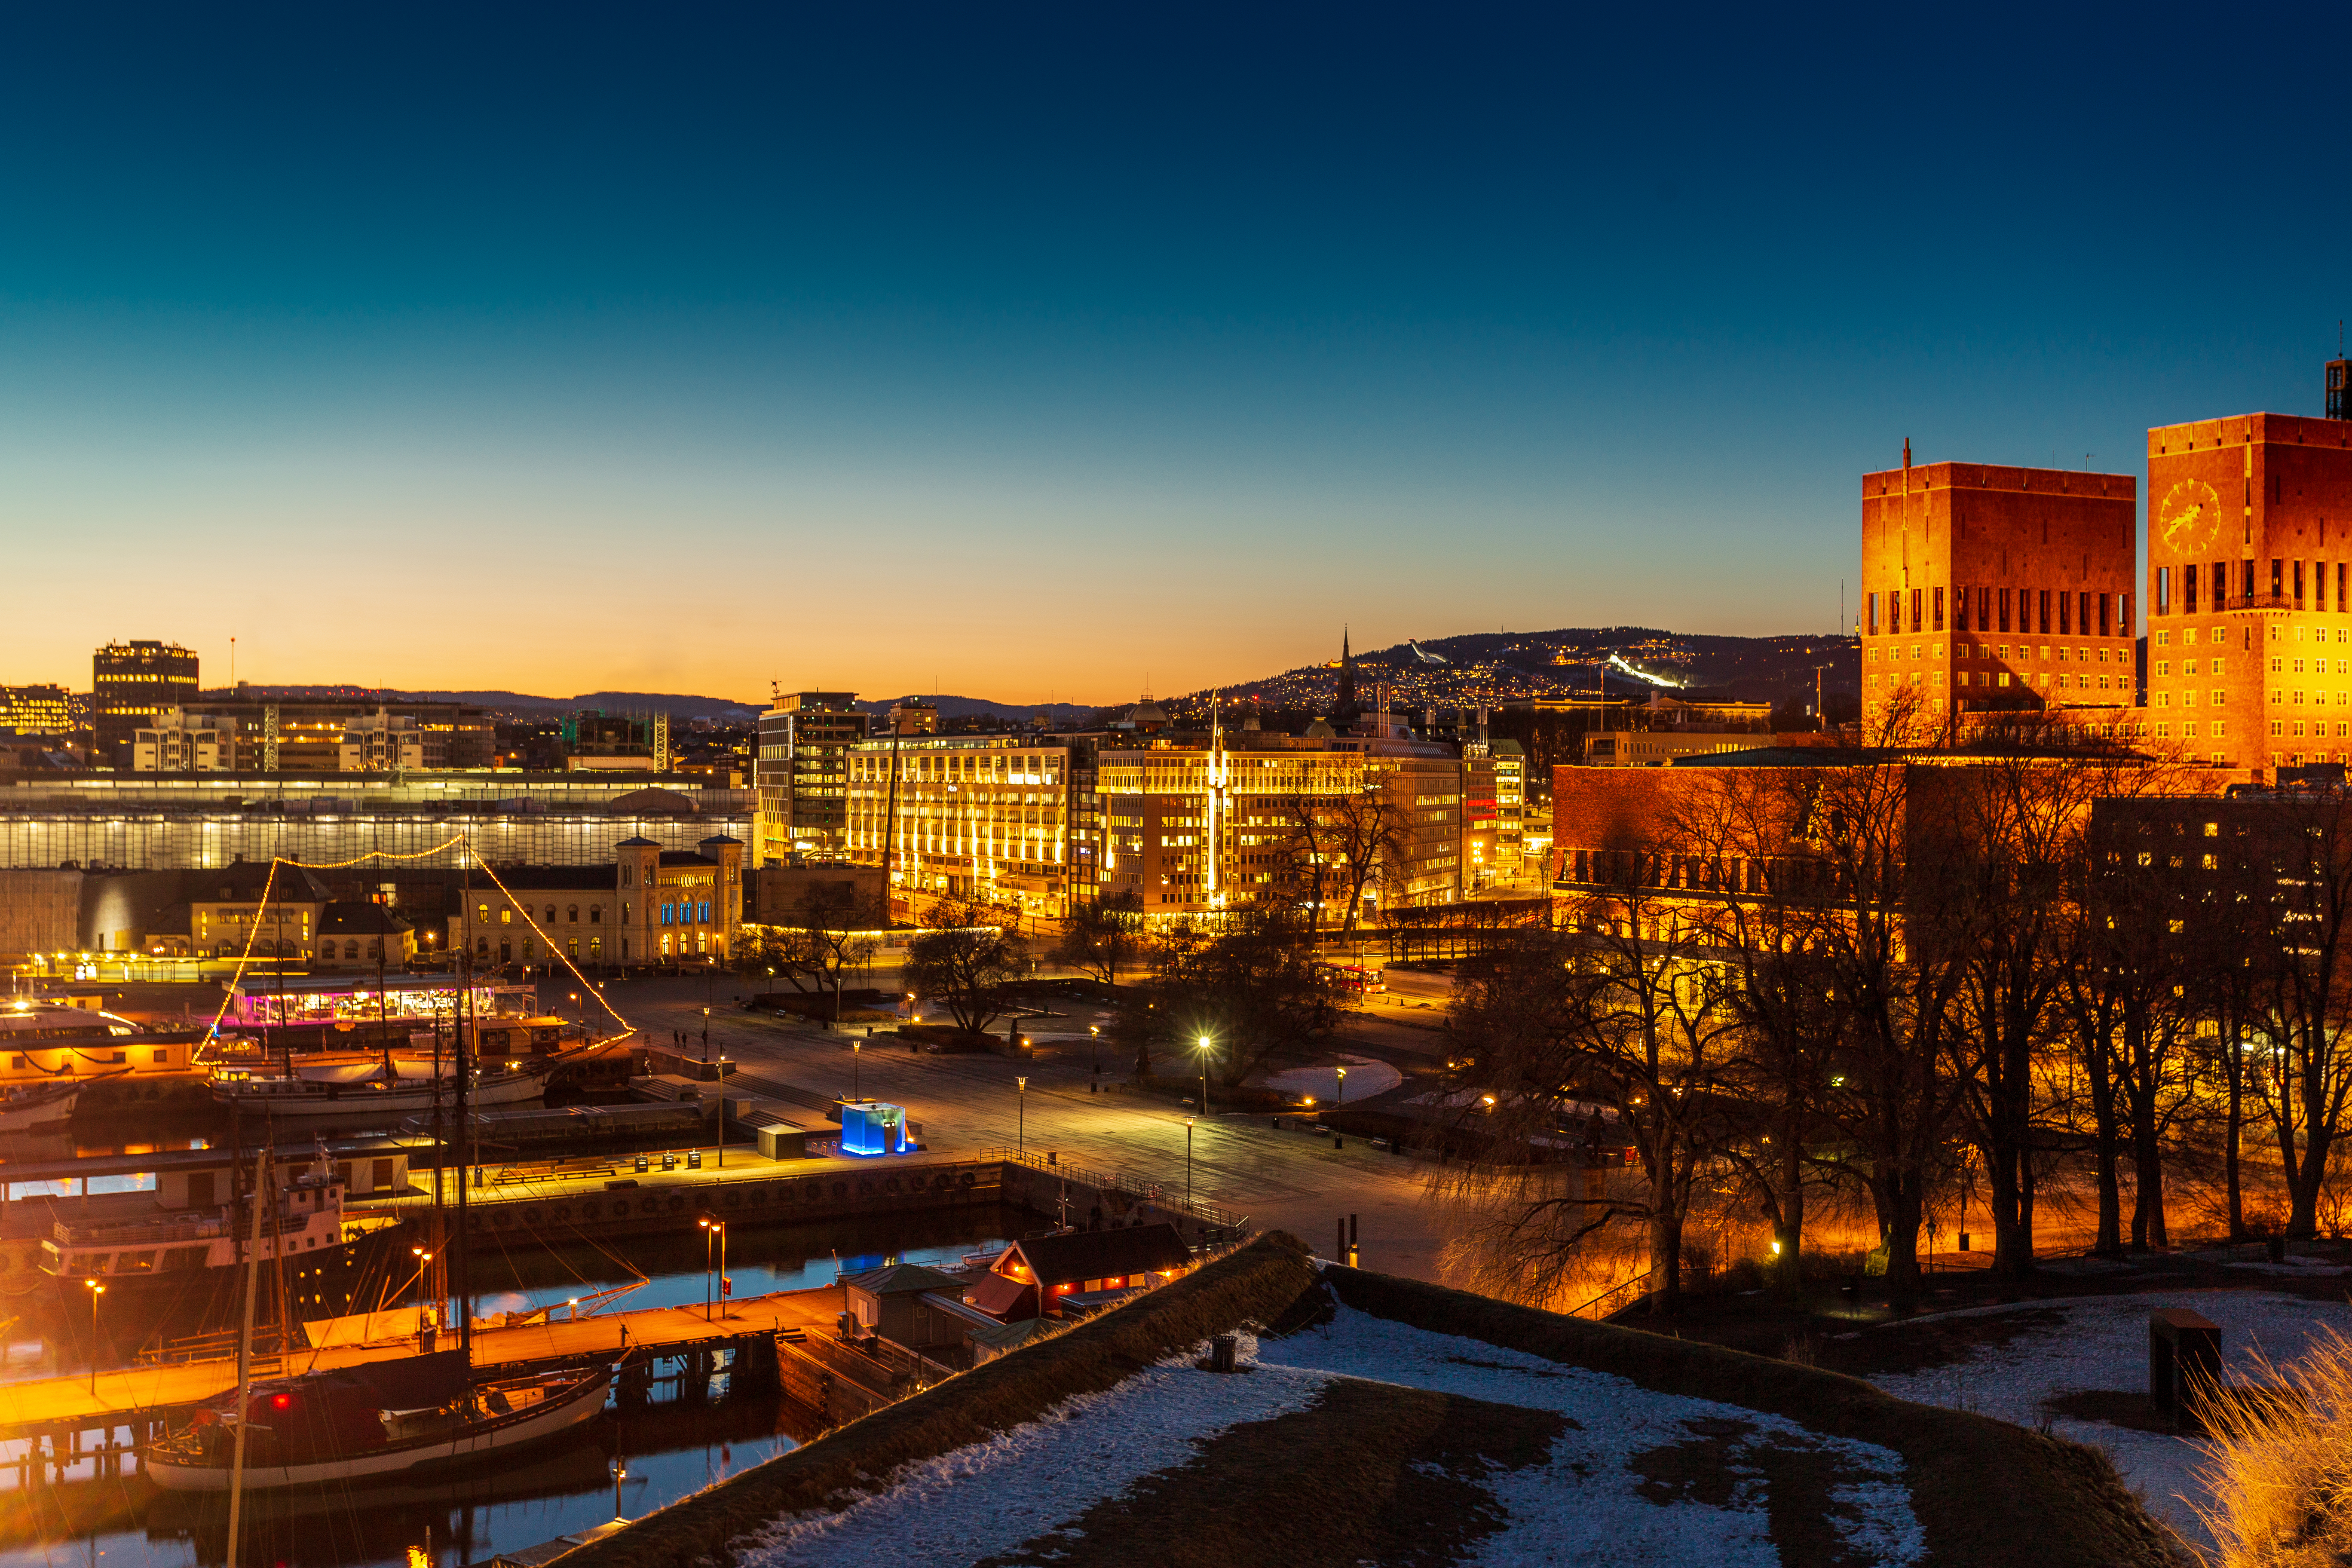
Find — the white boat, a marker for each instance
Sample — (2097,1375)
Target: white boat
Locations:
(358,1423)
(367,1089)
(39,1109)
(189,1257)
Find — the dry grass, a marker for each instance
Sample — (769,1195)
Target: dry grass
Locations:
(1986,1492)
(2281,1464)
(1256,1283)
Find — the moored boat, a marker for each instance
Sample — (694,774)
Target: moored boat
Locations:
(39,1109)
(380,1419)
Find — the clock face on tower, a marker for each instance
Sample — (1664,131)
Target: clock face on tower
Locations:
(2190,520)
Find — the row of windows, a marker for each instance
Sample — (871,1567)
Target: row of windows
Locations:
(570,914)
(1989,609)
(2288,578)
(686,914)
(1986,650)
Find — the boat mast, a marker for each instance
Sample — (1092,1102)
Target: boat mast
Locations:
(244,1368)
(464,1282)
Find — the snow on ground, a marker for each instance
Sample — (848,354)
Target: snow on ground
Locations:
(1365,1077)
(2101,1345)
(991,1497)
(1585,1506)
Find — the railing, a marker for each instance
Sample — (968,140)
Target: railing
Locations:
(1153,1192)
(156,1234)
(1600,1306)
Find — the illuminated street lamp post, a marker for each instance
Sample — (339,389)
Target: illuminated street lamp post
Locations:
(579,1009)
(726,1285)
(705,1034)
(1342,1100)
(709,1235)
(1021,1123)
(856,1050)
(1205,1075)
(96,1291)
(1094,1045)
(1188,1161)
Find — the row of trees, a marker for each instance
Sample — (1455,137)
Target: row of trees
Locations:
(2041,965)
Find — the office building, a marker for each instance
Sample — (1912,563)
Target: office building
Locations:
(1990,589)
(801,774)
(37,711)
(2249,571)
(132,682)
(965,815)
(177,740)
(381,741)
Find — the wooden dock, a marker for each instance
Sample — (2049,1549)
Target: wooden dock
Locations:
(134,1396)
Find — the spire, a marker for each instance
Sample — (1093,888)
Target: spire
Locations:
(1344,710)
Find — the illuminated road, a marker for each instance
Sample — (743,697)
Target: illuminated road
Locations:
(1289,1181)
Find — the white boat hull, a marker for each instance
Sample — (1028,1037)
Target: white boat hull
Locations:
(367,1100)
(38,1113)
(579,1405)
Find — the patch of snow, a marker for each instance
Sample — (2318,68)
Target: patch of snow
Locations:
(2296,1267)
(1023,1483)
(1584,1505)
(1367,1076)
(2101,1344)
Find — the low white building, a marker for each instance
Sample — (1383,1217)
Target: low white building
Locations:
(178,741)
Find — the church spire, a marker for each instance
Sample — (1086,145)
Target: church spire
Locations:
(1344,711)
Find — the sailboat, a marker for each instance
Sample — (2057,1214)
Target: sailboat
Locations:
(379,1418)
(40,1108)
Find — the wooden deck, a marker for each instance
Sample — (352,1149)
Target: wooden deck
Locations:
(133,1394)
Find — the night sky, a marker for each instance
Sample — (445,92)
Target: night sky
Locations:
(1030,353)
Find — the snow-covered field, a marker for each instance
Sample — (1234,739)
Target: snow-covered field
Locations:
(1584,1505)
(990,1498)
(1365,1077)
(2101,1345)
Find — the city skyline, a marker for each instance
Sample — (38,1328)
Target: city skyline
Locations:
(1079,353)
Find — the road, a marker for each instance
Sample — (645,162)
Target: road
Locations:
(1284,1180)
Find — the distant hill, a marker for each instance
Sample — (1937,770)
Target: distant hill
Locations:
(522,704)
(980,707)
(1495,667)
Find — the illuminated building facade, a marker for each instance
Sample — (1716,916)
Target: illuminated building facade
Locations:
(162,822)
(36,710)
(132,682)
(2250,576)
(179,742)
(801,774)
(1193,828)
(1987,588)
(270,734)
(976,815)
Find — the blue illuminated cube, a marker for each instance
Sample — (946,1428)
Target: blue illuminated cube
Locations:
(869,1127)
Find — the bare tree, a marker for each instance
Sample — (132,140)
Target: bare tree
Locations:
(1340,842)
(2302,849)
(1102,934)
(1619,1009)
(968,958)
(1249,986)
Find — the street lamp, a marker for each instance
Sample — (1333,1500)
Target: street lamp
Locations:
(705,1034)
(1205,1075)
(1021,1135)
(709,1235)
(857,1049)
(579,1009)
(1094,1045)
(1341,1099)
(1188,1161)
(96,1291)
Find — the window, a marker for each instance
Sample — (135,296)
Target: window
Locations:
(2004,603)
(570,914)
(2065,612)
(350,949)
(482,913)
(2045,612)
(550,914)
(1939,609)
(506,917)
(669,914)
(2188,591)
(596,914)
(2278,576)
(2163,591)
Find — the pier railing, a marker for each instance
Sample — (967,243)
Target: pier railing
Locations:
(1157,1193)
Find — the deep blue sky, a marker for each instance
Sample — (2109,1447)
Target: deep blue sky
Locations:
(1029,351)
